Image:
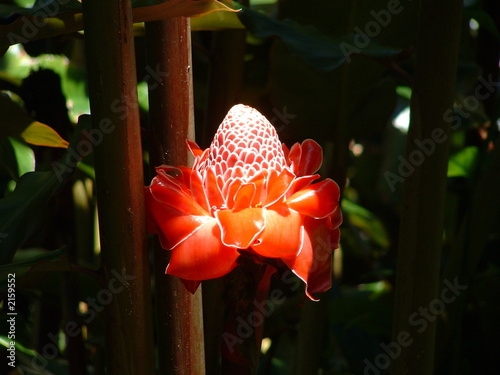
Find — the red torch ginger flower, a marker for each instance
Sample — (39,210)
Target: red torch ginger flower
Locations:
(246,192)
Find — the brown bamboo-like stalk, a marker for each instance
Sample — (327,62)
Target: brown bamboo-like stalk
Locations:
(421,231)
(180,323)
(119,183)
(226,77)
(225,90)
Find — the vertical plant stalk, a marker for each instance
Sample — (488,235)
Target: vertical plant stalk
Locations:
(312,335)
(226,76)
(120,185)
(227,56)
(245,288)
(421,231)
(180,323)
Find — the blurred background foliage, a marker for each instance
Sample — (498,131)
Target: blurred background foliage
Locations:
(286,59)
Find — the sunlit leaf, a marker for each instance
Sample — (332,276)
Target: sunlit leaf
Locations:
(404,92)
(463,163)
(177,8)
(87,170)
(216,21)
(42,135)
(5,342)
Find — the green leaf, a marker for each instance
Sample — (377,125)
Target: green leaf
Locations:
(16,157)
(216,21)
(25,260)
(367,221)
(46,8)
(13,119)
(322,52)
(404,92)
(61,22)
(23,212)
(463,163)
(49,8)
(5,342)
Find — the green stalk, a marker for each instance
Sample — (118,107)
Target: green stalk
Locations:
(119,184)
(180,323)
(421,231)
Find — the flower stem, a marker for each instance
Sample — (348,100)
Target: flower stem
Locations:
(245,295)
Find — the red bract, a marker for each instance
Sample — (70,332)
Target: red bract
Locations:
(247,192)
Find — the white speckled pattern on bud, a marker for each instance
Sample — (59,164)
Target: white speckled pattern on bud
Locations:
(245,144)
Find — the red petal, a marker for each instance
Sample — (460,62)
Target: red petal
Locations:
(306,158)
(294,158)
(200,159)
(313,265)
(244,197)
(300,183)
(229,192)
(173,175)
(202,256)
(197,190)
(317,200)
(336,218)
(239,229)
(259,181)
(278,185)
(335,240)
(286,150)
(282,237)
(168,192)
(212,190)
(171,225)
(311,158)
(194,148)
(185,175)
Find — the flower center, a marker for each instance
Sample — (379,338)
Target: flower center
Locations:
(245,144)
